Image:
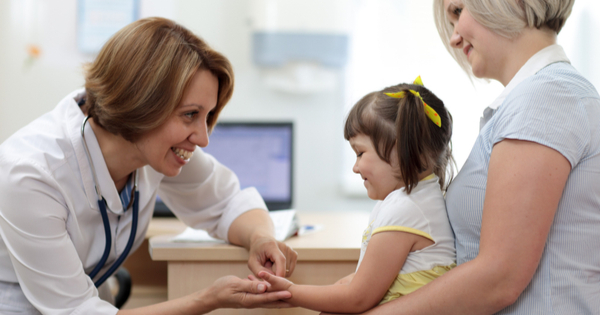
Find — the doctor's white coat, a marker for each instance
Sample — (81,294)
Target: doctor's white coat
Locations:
(51,230)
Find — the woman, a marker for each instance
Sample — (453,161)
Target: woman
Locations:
(153,94)
(524,207)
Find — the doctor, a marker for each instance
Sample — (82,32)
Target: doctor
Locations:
(78,185)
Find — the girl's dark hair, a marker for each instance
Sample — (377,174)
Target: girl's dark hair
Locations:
(402,124)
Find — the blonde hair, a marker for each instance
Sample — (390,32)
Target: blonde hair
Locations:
(402,124)
(504,17)
(140,74)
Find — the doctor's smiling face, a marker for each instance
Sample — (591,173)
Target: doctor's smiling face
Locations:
(170,146)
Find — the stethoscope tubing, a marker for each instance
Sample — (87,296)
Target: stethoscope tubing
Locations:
(107,233)
(106,223)
(119,261)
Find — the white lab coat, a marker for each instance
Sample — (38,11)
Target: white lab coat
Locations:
(50,225)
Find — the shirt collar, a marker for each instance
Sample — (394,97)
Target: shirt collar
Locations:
(549,55)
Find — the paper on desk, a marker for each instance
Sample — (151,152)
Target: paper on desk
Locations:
(285,221)
(193,235)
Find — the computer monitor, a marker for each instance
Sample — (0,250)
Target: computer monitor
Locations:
(260,154)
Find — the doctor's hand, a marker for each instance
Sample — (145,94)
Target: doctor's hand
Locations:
(233,292)
(269,255)
(255,231)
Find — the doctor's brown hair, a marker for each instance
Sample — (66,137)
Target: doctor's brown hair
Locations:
(402,124)
(139,77)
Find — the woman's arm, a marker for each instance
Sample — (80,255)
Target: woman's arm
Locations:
(524,187)
(254,230)
(379,267)
(206,195)
(226,292)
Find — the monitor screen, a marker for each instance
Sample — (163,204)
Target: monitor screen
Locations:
(260,154)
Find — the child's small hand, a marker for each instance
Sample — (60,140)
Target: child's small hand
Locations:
(277,283)
(268,285)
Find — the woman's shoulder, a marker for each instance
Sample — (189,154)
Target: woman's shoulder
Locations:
(556,107)
(563,73)
(557,94)
(45,143)
(24,157)
(557,81)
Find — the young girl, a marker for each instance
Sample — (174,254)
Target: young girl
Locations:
(401,137)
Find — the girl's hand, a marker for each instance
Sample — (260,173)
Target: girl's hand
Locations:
(275,283)
(271,256)
(346,280)
(233,292)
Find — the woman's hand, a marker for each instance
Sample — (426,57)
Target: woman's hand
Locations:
(254,230)
(269,255)
(233,292)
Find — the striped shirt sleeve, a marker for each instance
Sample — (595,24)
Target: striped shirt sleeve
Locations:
(545,111)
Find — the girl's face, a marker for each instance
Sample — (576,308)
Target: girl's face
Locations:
(486,51)
(170,146)
(379,176)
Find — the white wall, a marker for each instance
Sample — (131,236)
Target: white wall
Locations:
(26,93)
(318,118)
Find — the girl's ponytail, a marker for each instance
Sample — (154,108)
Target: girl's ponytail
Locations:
(413,134)
(396,121)
(444,168)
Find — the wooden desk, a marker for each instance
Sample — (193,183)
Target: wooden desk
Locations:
(324,257)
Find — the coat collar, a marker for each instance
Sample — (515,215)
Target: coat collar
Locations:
(74,118)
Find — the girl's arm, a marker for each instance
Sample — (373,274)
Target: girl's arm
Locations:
(382,262)
(525,183)
(347,279)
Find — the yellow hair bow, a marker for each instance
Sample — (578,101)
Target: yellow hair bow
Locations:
(430,112)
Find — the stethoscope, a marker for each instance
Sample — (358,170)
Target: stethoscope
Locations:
(104,214)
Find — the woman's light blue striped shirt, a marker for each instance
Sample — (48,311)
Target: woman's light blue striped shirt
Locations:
(560,109)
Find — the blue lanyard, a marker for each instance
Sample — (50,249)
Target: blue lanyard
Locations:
(104,214)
